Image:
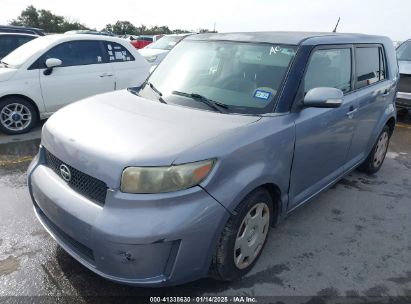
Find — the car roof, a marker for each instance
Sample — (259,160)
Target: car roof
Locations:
(70,37)
(17,34)
(179,35)
(21,29)
(292,38)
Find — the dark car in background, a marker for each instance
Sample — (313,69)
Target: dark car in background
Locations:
(404,63)
(11,41)
(21,29)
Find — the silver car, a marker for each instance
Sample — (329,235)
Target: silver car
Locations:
(183,177)
(155,52)
(404,62)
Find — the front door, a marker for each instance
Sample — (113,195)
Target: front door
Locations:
(84,72)
(323,136)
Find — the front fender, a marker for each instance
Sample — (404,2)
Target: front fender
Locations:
(247,158)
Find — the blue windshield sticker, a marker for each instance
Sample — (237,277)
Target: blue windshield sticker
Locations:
(264,95)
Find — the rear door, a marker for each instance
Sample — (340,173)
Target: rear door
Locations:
(84,72)
(373,92)
(129,69)
(323,136)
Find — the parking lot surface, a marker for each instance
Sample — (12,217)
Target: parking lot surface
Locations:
(353,239)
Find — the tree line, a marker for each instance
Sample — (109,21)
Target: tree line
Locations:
(52,23)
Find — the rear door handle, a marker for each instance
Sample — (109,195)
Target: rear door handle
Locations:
(385,93)
(105,75)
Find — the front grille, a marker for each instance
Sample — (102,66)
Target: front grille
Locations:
(86,185)
(405,83)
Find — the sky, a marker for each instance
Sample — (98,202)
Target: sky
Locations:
(384,17)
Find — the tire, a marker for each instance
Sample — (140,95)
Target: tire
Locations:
(224,266)
(376,157)
(17,115)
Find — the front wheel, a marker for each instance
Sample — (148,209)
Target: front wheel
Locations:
(243,237)
(376,157)
(17,115)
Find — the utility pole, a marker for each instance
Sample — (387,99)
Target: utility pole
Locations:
(214,28)
(338,22)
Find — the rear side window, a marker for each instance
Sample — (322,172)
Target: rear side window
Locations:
(370,67)
(74,53)
(329,68)
(117,53)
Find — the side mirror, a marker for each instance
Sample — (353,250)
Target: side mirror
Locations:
(50,64)
(323,98)
(53,62)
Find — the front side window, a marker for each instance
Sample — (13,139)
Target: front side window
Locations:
(117,53)
(243,76)
(329,68)
(72,53)
(404,51)
(369,66)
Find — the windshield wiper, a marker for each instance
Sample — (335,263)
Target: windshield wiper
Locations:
(160,98)
(217,106)
(4,63)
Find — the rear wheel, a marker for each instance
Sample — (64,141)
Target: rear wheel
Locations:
(376,157)
(243,237)
(17,115)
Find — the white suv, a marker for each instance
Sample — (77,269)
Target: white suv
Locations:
(50,72)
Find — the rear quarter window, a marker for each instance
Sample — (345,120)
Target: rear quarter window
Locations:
(117,53)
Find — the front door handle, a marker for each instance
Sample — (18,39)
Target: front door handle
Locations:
(351,112)
(106,75)
(385,93)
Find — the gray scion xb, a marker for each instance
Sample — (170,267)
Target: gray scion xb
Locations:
(184,176)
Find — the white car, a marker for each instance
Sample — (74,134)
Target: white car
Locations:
(50,72)
(155,52)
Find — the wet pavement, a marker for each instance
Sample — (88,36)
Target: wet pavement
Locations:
(353,239)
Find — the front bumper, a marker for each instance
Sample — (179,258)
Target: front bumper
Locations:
(145,240)
(403,100)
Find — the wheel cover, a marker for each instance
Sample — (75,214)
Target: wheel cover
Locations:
(15,116)
(381,149)
(251,235)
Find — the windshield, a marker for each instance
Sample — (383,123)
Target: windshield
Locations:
(20,55)
(404,51)
(244,76)
(165,43)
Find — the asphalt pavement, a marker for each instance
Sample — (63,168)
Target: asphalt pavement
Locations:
(351,240)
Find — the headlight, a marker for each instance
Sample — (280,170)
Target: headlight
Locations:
(151,58)
(164,179)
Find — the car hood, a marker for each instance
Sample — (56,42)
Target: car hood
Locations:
(6,73)
(151,52)
(405,67)
(106,133)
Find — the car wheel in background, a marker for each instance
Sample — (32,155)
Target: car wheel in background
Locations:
(243,237)
(17,115)
(376,157)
